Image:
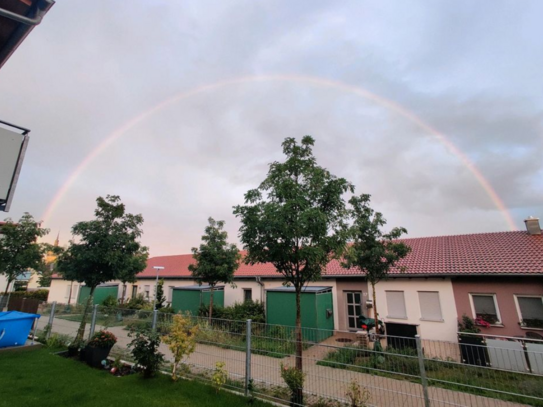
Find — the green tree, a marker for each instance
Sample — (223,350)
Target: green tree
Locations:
(160,298)
(106,248)
(46,271)
(216,259)
(296,220)
(372,252)
(19,248)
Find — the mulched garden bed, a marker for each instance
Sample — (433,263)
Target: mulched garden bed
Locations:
(124,370)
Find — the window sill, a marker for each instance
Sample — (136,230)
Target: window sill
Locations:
(527,328)
(404,318)
(432,320)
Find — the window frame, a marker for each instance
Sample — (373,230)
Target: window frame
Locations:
(406,317)
(245,291)
(519,313)
(495,299)
(440,307)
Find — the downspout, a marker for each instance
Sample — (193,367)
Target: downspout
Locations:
(261,284)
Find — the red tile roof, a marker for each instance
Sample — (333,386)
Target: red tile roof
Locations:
(500,253)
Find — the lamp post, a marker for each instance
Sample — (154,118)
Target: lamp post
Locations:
(157,268)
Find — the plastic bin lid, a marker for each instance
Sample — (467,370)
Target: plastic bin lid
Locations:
(12,315)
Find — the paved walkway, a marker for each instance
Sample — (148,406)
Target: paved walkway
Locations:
(320,380)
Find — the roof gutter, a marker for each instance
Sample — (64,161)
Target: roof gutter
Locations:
(27,24)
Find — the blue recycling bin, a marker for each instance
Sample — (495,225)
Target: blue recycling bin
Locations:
(15,327)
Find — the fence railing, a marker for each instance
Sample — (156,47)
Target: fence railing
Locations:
(387,370)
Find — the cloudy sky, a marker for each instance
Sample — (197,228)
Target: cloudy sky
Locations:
(195,98)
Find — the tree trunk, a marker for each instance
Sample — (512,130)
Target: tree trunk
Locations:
(211,304)
(298,331)
(70,293)
(81,331)
(375,315)
(8,295)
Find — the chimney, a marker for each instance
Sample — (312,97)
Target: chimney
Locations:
(532,226)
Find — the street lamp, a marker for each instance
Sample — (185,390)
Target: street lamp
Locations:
(157,268)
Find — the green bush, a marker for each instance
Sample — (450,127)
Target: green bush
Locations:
(253,310)
(138,302)
(144,349)
(110,302)
(35,295)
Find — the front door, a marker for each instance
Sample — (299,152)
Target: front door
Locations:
(354,308)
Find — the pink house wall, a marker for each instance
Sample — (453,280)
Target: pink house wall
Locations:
(505,289)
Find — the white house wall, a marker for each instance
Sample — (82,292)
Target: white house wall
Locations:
(430,330)
(60,290)
(3,283)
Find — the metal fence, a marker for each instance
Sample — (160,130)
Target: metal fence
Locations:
(384,371)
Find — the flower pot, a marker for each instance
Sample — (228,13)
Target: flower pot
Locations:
(83,354)
(94,356)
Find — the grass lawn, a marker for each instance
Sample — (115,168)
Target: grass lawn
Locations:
(40,378)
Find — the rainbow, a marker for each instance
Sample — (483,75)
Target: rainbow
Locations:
(309,80)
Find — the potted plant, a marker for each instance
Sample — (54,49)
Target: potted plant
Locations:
(472,346)
(98,347)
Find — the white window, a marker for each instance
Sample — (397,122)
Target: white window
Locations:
(396,305)
(430,307)
(530,310)
(147,291)
(485,307)
(74,291)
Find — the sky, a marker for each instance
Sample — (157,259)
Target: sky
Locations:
(193,99)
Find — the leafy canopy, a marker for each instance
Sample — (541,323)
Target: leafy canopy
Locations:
(216,259)
(19,249)
(107,247)
(372,251)
(296,218)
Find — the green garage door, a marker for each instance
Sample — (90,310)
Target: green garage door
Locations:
(316,306)
(100,293)
(188,298)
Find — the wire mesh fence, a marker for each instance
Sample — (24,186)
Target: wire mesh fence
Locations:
(338,366)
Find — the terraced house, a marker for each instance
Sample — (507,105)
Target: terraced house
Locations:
(494,278)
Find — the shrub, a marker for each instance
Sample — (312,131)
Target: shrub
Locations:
(294,379)
(102,339)
(58,341)
(219,376)
(181,340)
(144,350)
(468,325)
(138,302)
(110,302)
(167,310)
(253,310)
(357,395)
(35,295)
